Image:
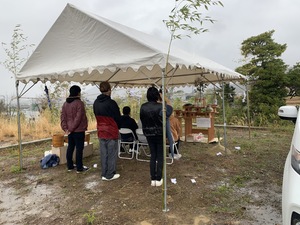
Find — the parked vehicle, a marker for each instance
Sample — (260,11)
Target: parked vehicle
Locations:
(291,174)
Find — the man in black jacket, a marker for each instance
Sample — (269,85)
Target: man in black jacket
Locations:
(151,118)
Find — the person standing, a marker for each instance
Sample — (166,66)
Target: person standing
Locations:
(74,123)
(108,116)
(151,118)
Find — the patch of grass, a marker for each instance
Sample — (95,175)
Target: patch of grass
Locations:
(90,217)
(239,180)
(15,169)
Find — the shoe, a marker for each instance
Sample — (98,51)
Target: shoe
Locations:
(84,169)
(153,183)
(177,156)
(71,169)
(158,182)
(116,176)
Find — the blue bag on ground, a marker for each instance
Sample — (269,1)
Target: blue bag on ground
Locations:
(49,160)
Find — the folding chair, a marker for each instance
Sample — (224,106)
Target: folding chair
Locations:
(174,148)
(125,143)
(168,156)
(142,144)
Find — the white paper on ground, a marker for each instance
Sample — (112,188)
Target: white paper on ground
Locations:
(173,180)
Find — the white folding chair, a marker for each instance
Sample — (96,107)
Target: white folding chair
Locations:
(142,145)
(174,148)
(126,144)
(168,155)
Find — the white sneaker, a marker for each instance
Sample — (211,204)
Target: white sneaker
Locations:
(116,176)
(158,183)
(153,183)
(177,156)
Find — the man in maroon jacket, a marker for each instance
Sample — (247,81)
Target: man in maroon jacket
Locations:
(74,123)
(107,113)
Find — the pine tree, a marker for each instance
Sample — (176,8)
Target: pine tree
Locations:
(266,72)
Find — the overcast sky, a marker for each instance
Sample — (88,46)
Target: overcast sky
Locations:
(235,22)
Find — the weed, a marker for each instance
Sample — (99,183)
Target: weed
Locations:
(239,181)
(90,217)
(15,169)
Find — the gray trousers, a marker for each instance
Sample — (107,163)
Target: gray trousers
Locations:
(108,154)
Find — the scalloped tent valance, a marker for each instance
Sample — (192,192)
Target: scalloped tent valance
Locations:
(86,48)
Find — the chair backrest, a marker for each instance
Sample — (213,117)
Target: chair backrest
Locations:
(126,131)
(140,135)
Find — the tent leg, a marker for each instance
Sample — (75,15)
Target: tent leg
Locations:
(165,208)
(248,110)
(19,127)
(224,117)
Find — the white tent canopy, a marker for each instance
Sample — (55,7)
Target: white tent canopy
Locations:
(83,47)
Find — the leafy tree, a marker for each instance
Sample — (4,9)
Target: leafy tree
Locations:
(186,16)
(13,63)
(293,76)
(266,73)
(15,51)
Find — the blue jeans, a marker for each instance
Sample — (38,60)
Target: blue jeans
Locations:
(156,161)
(170,137)
(108,154)
(75,139)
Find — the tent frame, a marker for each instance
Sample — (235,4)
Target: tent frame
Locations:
(147,64)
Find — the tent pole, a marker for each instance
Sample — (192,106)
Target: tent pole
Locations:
(165,208)
(248,110)
(19,126)
(224,116)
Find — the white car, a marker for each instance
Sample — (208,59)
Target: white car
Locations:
(291,174)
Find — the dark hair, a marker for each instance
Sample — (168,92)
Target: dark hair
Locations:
(152,94)
(104,87)
(126,110)
(74,90)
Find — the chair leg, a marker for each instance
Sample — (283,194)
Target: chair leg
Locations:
(119,151)
(139,146)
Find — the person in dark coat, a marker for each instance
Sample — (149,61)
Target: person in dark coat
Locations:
(74,123)
(130,123)
(151,118)
(107,113)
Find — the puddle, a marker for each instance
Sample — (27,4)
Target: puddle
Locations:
(264,215)
(14,208)
(10,205)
